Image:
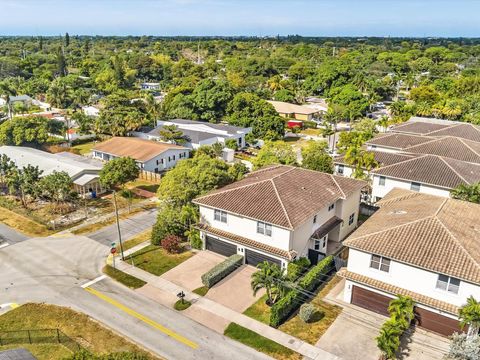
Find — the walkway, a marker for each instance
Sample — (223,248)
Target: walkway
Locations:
(169,290)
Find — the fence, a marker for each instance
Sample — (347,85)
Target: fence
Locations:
(40,336)
(150,176)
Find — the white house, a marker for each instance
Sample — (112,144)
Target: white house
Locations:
(150,155)
(280,213)
(198,133)
(91,110)
(419,245)
(150,86)
(84,173)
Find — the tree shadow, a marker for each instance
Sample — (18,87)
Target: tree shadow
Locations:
(405,343)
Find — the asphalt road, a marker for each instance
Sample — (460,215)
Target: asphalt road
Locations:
(128,227)
(53,270)
(10,236)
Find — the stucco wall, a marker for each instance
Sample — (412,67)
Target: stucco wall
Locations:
(381,191)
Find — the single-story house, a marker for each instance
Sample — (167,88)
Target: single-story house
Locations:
(84,174)
(418,245)
(293,111)
(200,133)
(280,213)
(91,110)
(150,155)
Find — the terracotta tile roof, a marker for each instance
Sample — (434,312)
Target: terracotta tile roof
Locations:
(431,232)
(282,195)
(449,146)
(138,149)
(398,141)
(395,290)
(418,127)
(288,255)
(382,157)
(433,170)
(327,227)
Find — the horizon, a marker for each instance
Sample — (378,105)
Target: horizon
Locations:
(248,18)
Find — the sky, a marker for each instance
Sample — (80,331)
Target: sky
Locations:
(454,18)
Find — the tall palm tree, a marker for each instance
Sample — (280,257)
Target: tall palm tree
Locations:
(153,109)
(269,277)
(401,309)
(469,314)
(384,122)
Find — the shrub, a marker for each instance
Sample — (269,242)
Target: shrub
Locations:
(231,144)
(195,240)
(171,243)
(307,312)
(220,271)
(309,124)
(288,304)
(297,267)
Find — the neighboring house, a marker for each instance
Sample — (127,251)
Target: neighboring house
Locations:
(319,104)
(91,110)
(419,245)
(150,86)
(150,155)
(280,213)
(42,105)
(293,111)
(200,133)
(27,100)
(84,174)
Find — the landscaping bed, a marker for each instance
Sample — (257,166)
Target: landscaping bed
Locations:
(89,333)
(122,277)
(157,260)
(260,343)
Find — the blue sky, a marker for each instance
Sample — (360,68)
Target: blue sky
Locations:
(242,17)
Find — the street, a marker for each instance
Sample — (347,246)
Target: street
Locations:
(53,270)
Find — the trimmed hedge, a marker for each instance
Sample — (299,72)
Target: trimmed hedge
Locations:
(297,267)
(281,310)
(220,271)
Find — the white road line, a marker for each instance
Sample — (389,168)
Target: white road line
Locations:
(100,278)
(4,245)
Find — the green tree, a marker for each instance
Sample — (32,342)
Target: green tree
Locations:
(58,188)
(388,340)
(173,220)
(6,167)
(469,315)
(231,144)
(269,277)
(24,183)
(315,157)
(119,116)
(275,152)
(284,95)
(28,130)
(467,192)
(171,134)
(58,93)
(67,40)
(401,309)
(361,160)
(119,171)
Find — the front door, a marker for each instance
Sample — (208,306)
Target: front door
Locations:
(315,256)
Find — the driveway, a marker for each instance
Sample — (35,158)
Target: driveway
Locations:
(235,291)
(188,274)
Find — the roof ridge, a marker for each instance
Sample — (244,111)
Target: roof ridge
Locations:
(402,162)
(455,171)
(449,126)
(468,146)
(476,264)
(281,202)
(428,142)
(338,186)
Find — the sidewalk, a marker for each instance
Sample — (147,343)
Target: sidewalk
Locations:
(168,294)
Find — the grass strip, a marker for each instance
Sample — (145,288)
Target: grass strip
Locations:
(202,291)
(122,277)
(180,306)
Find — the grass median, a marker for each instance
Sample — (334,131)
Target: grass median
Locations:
(122,277)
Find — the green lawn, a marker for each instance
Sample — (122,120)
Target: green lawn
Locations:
(295,326)
(202,291)
(88,333)
(126,279)
(260,343)
(140,238)
(156,260)
(180,306)
(84,148)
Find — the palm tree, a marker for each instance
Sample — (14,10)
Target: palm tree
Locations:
(388,341)
(269,277)
(469,314)
(467,192)
(153,109)
(361,160)
(401,310)
(383,122)
(327,131)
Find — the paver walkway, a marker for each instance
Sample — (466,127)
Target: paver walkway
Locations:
(221,311)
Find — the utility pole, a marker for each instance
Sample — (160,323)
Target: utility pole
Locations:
(118,224)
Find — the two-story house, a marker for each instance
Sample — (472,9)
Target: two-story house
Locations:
(420,245)
(280,213)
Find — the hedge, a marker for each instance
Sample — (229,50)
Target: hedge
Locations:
(220,271)
(281,310)
(297,267)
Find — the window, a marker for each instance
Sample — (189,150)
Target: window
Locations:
(351,219)
(316,244)
(173,157)
(373,147)
(264,229)
(169,159)
(380,263)
(315,219)
(220,216)
(414,186)
(340,169)
(161,161)
(448,283)
(331,207)
(381,181)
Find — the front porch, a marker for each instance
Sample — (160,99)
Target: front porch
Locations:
(324,241)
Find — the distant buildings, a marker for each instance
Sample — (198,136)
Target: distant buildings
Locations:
(150,155)
(418,245)
(83,172)
(150,86)
(293,111)
(280,213)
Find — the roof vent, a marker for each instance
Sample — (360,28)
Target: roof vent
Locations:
(304,188)
(398,212)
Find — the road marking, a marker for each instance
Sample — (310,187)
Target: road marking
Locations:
(10,305)
(100,278)
(4,245)
(143,318)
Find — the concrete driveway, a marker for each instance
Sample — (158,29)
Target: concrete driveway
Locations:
(188,274)
(235,291)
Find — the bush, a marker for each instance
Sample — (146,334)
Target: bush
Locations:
(231,144)
(309,124)
(171,243)
(220,271)
(297,267)
(280,311)
(195,240)
(307,312)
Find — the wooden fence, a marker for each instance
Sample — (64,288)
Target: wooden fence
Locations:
(150,176)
